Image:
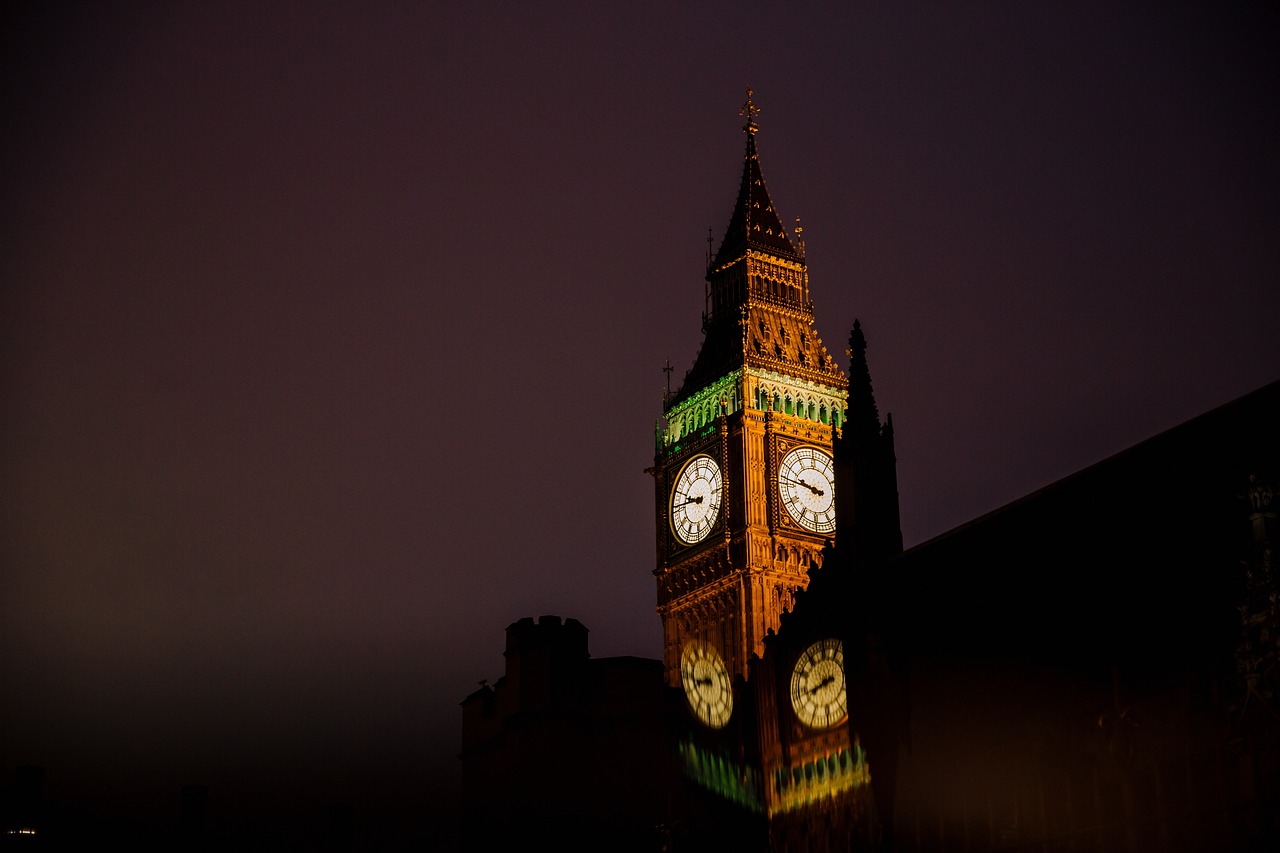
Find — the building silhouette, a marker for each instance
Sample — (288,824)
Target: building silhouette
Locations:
(1092,667)
(564,750)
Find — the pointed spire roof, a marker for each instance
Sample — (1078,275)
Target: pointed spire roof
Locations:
(868,525)
(863,414)
(759,315)
(754,223)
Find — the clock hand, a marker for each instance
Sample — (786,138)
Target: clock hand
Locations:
(696,500)
(815,490)
(823,683)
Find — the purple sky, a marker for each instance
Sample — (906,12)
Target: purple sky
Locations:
(332,335)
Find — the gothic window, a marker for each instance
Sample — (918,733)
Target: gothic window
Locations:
(822,413)
(777,401)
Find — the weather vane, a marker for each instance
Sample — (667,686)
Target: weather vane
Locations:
(750,110)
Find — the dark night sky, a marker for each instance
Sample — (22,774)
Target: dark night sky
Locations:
(332,334)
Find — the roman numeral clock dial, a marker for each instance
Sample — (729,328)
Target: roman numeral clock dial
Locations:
(817,685)
(806,483)
(695,500)
(706,684)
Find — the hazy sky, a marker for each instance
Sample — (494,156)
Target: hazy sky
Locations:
(333,333)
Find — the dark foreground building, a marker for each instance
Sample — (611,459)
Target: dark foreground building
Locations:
(1092,667)
(1095,666)
(565,751)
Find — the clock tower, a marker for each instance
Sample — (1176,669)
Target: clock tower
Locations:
(744,473)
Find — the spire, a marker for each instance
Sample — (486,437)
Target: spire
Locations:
(750,110)
(754,223)
(863,414)
(758,312)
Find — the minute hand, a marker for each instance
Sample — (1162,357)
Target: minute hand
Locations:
(813,489)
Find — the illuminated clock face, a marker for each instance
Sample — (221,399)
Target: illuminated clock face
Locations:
(817,685)
(806,482)
(706,684)
(695,500)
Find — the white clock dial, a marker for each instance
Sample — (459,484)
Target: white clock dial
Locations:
(706,684)
(817,685)
(695,500)
(806,483)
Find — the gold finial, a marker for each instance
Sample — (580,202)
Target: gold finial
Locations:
(750,110)
(799,237)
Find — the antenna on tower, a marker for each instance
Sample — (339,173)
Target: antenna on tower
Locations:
(799,237)
(667,370)
(710,240)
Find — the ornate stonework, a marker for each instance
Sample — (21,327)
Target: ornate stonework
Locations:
(762,384)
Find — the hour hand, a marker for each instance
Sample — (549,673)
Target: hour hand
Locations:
(696,500)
